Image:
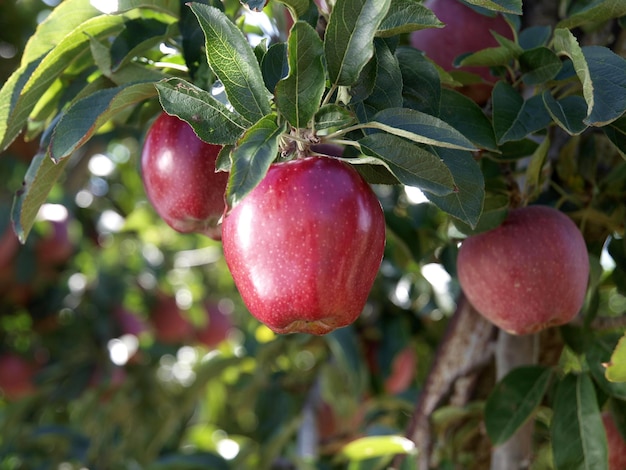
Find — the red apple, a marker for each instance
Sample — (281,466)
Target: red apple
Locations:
(217,327)
(615,442)
(465,31)
(529,273)
(179,177)
(170,326)
(16,376)
(305,245)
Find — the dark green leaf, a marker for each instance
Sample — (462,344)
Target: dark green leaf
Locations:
(515,118)
(467,117)
(419,127)
(539,65)
(602,74)
(595,12)
(298,95)
(421,86)
(466,203)
(14,112)
(275,65)
(333,116)
(87,115)
(412,165)
(232,60)
(387,92)
(513,400)
(578,438)
(211,120)
(138,36)
(534,36)
(252,157)
(568,112)
(616,132)
(404,16)
(495,210)
(348,43)
(506,6)
(299,7)
(41,176)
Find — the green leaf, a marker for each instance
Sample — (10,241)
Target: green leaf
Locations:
(467,117)
(211,120)
(386,79)
(577,432)
(299,7)
(171,7)
(377,446)
(506,6)
(419,127)
(252,157)
(41,176)
(492,56)
(412,165)
(14,112)
(61,21)
(616,367)
(568,112)
(495,210)
(598,354)
(539,65)
(421,86)
(594,12)
(233,61)
(513,400)
(348,42)
(298,96)
(616,132)
(466,202)
(275,65)
(533,177)
(334,116)
(87,115)
(404,16)
(602,74)
(515,118)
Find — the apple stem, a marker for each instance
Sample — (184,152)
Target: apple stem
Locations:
(511,352)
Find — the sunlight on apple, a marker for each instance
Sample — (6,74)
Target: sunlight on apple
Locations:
(105,6)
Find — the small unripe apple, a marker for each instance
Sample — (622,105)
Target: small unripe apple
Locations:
(465,31)
(16,376)
(178,171)
(304,247)
(529,273)
(616,443)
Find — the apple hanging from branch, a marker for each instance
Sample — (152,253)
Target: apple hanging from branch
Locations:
(304,247)
(529,273)
(178,171)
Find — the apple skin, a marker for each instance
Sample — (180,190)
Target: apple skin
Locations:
(304,247)
(465,31)
(178,171)
(529,273)
(615,442)
(16,376)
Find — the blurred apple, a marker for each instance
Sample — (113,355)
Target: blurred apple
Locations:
(55,246)
(217,327)
(170,326)
(403,369)
(16,376)
(615,442)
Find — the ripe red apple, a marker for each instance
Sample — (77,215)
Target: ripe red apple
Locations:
(305,245)
(170,326)
(217,327)
(615,442)
(179,177)
(465,31)
(529,273)
(16,376)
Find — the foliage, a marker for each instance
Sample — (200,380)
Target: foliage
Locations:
(72,116)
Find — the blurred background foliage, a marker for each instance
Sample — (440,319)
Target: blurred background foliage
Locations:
(142,354)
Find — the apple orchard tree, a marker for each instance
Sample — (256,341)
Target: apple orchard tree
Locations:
(190,181)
